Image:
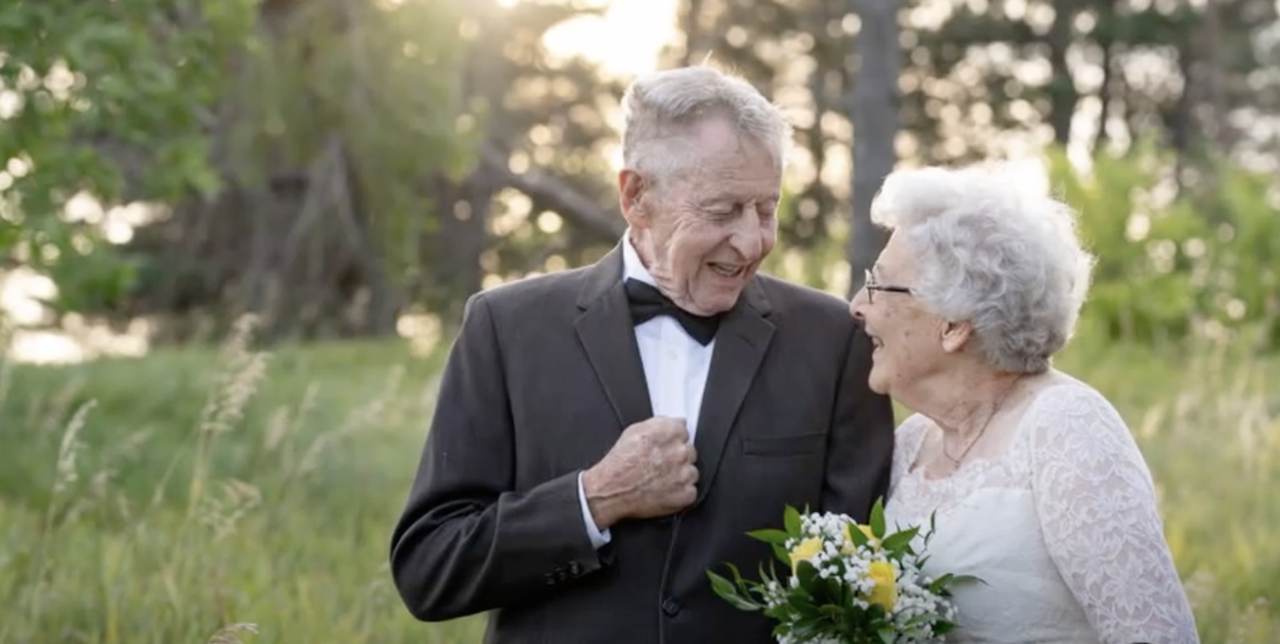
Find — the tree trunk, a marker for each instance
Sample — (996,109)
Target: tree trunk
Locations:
(873,108)
(1062,87)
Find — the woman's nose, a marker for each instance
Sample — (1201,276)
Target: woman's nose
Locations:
(857,304)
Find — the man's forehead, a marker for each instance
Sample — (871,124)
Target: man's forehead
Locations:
(702,186)
(740,193)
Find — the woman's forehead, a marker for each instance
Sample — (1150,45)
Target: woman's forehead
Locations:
(895,260)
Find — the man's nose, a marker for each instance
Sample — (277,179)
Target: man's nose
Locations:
(748,237)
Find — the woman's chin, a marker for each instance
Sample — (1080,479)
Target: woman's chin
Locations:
(877,384)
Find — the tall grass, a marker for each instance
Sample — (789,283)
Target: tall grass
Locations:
(192,497)
(240,496)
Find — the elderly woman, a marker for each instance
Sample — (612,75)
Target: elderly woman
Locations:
(1037,483)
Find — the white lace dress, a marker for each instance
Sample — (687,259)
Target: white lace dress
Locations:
(1063,528)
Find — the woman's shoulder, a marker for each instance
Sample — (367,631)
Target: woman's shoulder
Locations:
(1061,397)
(1071,417)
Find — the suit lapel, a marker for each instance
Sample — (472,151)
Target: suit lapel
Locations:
(607,336)
(741,344)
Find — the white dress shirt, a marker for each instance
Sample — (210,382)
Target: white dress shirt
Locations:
(675,368)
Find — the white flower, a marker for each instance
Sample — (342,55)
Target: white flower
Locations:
(833,559)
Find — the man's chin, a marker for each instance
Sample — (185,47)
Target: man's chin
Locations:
(715,303)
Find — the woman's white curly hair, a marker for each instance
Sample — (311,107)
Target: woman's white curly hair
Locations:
(994,253)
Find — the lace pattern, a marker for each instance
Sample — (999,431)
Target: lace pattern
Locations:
(1094,503)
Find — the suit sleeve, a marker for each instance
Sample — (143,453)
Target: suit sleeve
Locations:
(860,449)
(467,541)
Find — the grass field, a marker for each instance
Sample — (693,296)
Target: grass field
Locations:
(157,500)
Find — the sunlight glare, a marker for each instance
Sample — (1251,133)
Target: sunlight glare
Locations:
(625,40)
(21,292)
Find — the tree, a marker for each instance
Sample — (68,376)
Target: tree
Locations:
(110,100)
(873,110)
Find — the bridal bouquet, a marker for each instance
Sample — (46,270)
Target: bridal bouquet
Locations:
(848,583)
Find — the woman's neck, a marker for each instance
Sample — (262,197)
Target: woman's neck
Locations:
(963,403)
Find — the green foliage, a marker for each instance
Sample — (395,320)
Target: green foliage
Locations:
(1195,263)
(308,451)
(382,79)
(158,500)
(1175,263)
(167,100)
(111,100)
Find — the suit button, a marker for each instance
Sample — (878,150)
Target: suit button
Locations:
(575,568)
(671,607)
(549,578)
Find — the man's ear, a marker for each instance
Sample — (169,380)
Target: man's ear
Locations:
(956,335)
(632,188)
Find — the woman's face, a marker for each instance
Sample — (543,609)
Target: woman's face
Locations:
(907,337)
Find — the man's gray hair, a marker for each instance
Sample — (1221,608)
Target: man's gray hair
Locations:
(659,108)
(990,252)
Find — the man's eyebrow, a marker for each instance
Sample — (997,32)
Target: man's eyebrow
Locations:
(739,198)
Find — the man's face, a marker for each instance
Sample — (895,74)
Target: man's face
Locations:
(703,232)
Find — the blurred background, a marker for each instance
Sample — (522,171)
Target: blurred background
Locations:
(237,235)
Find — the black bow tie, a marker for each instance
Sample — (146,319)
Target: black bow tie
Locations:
(647,302)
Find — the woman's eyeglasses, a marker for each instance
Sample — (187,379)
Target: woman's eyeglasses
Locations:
(870,284)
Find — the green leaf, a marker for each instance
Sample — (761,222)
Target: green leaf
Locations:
(791,521)
(898,541)
(877,519)
(808,574)
(832,612)
(833,591)
(725,589)
(858,537)
(966,579)
(779,613)
(737,577)
(781,554)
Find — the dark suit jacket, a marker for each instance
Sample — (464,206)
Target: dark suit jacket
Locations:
(541,381)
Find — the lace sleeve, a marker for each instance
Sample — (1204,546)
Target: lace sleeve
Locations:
(1097,507)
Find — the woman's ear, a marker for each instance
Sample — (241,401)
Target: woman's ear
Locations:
(631,191)
(955,335)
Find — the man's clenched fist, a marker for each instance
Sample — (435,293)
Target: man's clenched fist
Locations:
(649,472)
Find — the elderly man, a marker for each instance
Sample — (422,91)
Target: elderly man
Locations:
(605,435)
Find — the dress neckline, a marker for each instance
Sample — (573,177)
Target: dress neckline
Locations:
(978,463)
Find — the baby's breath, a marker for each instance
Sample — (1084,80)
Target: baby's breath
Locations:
(875,573)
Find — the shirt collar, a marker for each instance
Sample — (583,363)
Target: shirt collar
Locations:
(632,267)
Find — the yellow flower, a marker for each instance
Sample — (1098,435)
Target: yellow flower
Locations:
(848,538)
(885,593)
(805,551)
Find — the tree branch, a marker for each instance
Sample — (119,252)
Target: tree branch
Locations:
(605,223)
